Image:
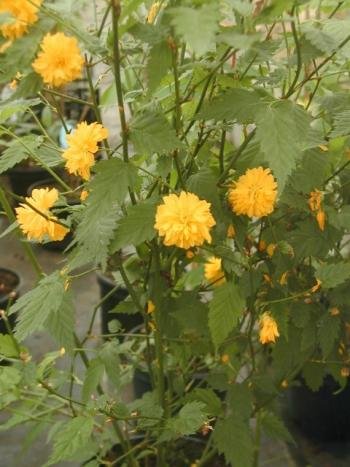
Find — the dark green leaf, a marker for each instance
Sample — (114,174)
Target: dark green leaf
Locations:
(328,333)
(333,274)
(274,427)
(18,150)
(313,374)
(159,62)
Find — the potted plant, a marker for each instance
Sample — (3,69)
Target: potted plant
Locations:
(222,212)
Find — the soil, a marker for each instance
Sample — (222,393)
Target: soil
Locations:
(8,283)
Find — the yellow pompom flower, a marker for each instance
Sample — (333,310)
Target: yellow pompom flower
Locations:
(315,205)
(60,60)
(82,146)
(23,14)
(213,271)
(254,194)
(184,220)
(39,222)
(268,329)
(153,11)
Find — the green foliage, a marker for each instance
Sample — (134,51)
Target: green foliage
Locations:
(328,333)
(7,346)
(49,305)
(72,439)
(158,64)
(101,209)
(19,150)
(225,308)
(136,227)
(333,274)
(313,374)
(274,427)
(151,133)
(189,419)
(196,26)
(92,378)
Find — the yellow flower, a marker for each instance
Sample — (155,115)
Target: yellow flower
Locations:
(82,145)
(315,200)
(284,278)
(345,372)
(321,219)
(268,329)
(83,195)
(150,307)
(153,11)
(262,245)
(35,225)
(231,232)
(60,61)
(213,271)
(271,249)
(225,359)
(254,194)
(23,14)
(184,220)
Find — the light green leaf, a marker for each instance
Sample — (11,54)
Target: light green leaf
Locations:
(341,124)
(42,306)
(197,26)
(92,378)
(236,104)
(333,274)
(9,108)
(100,215)
(149,408)
(7,346)
(225,308)
(189,419)
(109,355)
(73,437)
(232,437)
(136,227)
(18,150)
(151,133)
(281,129)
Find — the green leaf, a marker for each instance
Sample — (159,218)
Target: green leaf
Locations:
(197,27)
(313,374)
(240,401)
(41,307)
(333,274)
(213,404)
(151,133)
(236,104)
(341,124)
(203,184)
(109,355)
(61,322)
(7,346)
(99,219)
(281,129)
(92,378)
(328,333)
(159,62)
(72,438)
(225,308)
(136,227)
(149,408)
(274,427)
(319,38)
(18,150)
(9,108)
(189,419)
(232,437)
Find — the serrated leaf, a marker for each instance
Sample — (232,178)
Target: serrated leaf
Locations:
(319,38)
(233,439)
(109,355)
(328,332)
(281,130)
(72,437)
(151,133)
(240,401)
(189,419)
(136,227)
(93,376)
(236,104)
(213,404)
(313,374)
(11,107)
(7,346)
(149,408)
(225,308)
(41,307)
(99,218)
(159,61)
(333,274)
(274,427)
(341,124)
(60,323)
(18,150)
(197,26)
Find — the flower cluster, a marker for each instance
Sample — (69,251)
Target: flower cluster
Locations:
(60,60)
(24,14)
(82,147)
(35,218)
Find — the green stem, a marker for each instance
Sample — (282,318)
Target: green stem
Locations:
(299,59)
(222,151)
(116,11)
(26,246)
(257,441)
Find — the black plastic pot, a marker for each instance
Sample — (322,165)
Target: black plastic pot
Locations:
(127,321)
(23,176)
(322,415)
(55,245)
(9,292)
